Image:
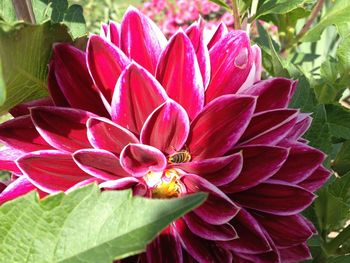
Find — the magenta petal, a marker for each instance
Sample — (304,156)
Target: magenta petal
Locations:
(275,197)
(51,171)
(8,156)
(218,208)
(297,253)
(207,231)
(272,93)
(17,188)
(23,108)
(251,239)
(113,33)
(55,91)
(285,231)
(202,250)
(178,72)
(74,81)
(302,161)
(99,163)
(105,134)
(165,248)
(166,128)
(103,30)
(195,33)
(105,62)
(316,179)
(120,184)
(231,61)
(219,33)
(255,71)
(62,128)
(218,171)
(20,133)
(269,127)
(136,96)
(219,126)
(141,40)
(139,159)
(259,164)
(302,125)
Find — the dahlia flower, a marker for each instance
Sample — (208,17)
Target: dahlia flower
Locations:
(171,118)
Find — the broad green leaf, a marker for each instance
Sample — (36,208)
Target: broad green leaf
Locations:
(25,51)
(341,163)
(277,7)
(279,68)
(337,15)
(340,187)
(338,118)
(222,4)
(341,259)
(304,96)
(85,225)
(7,12)
(343,55)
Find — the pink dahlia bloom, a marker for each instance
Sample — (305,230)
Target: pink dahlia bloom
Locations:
(171,118)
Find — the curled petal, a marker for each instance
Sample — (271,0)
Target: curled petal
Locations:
(139,159)
(105,62)
(219,126)
(141,40)
(120,184)
(178,72)
(166,128)
(62,128)
(99,163)
(302,125)
(113,33)
(106,135)
(274,197)
(51,171)
(136,96)
(316,179)
(218,208)
(17,188)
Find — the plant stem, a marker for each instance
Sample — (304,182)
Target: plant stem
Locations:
(24,10)
(343,236)
(253,9)
(236,15)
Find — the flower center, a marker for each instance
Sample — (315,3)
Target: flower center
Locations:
(164,185)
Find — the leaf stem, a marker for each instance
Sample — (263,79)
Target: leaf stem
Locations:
(236,15)
(253,9)
(24,10)
(343,236)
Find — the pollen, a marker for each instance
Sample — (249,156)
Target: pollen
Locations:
(168,186)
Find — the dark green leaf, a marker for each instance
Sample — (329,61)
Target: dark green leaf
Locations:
(338,118)
(341,163)
(278,7)
(340,187)
(7,12)
(111,224)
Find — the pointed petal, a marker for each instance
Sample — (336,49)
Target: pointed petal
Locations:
(316,179)
(269,127)
(285,231)
(178,72)
(139,159)
(105,62)
(274,93)
(120,184)
(251,239)
(219,126)
(219,33)
(20,133)
(207,231)
(165,248)
(166,128)
(302,161)
(23,108)
(74,81)
(200,249)
(218,171)
(195,33)
(231,61)
(137,94)
(106,135)
(297,253)
(259,164)
(113,33)
(58,97)
(51,171)
(218,208)
(275,197)
(99,163)
(302,125)
(104,30)
(141,40)
(62,128)
(8,156)
(17,188)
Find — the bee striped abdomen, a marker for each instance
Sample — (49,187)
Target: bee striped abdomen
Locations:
(180,157)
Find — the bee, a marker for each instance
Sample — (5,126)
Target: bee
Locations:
(182,156)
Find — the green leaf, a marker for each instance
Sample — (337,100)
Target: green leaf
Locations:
(85,225)
(277,7)
(25,51)
(341,163)
(342,259)
(339,121)
(7,12)
(222,4)
(279,68)
(340,187)
(337,15)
